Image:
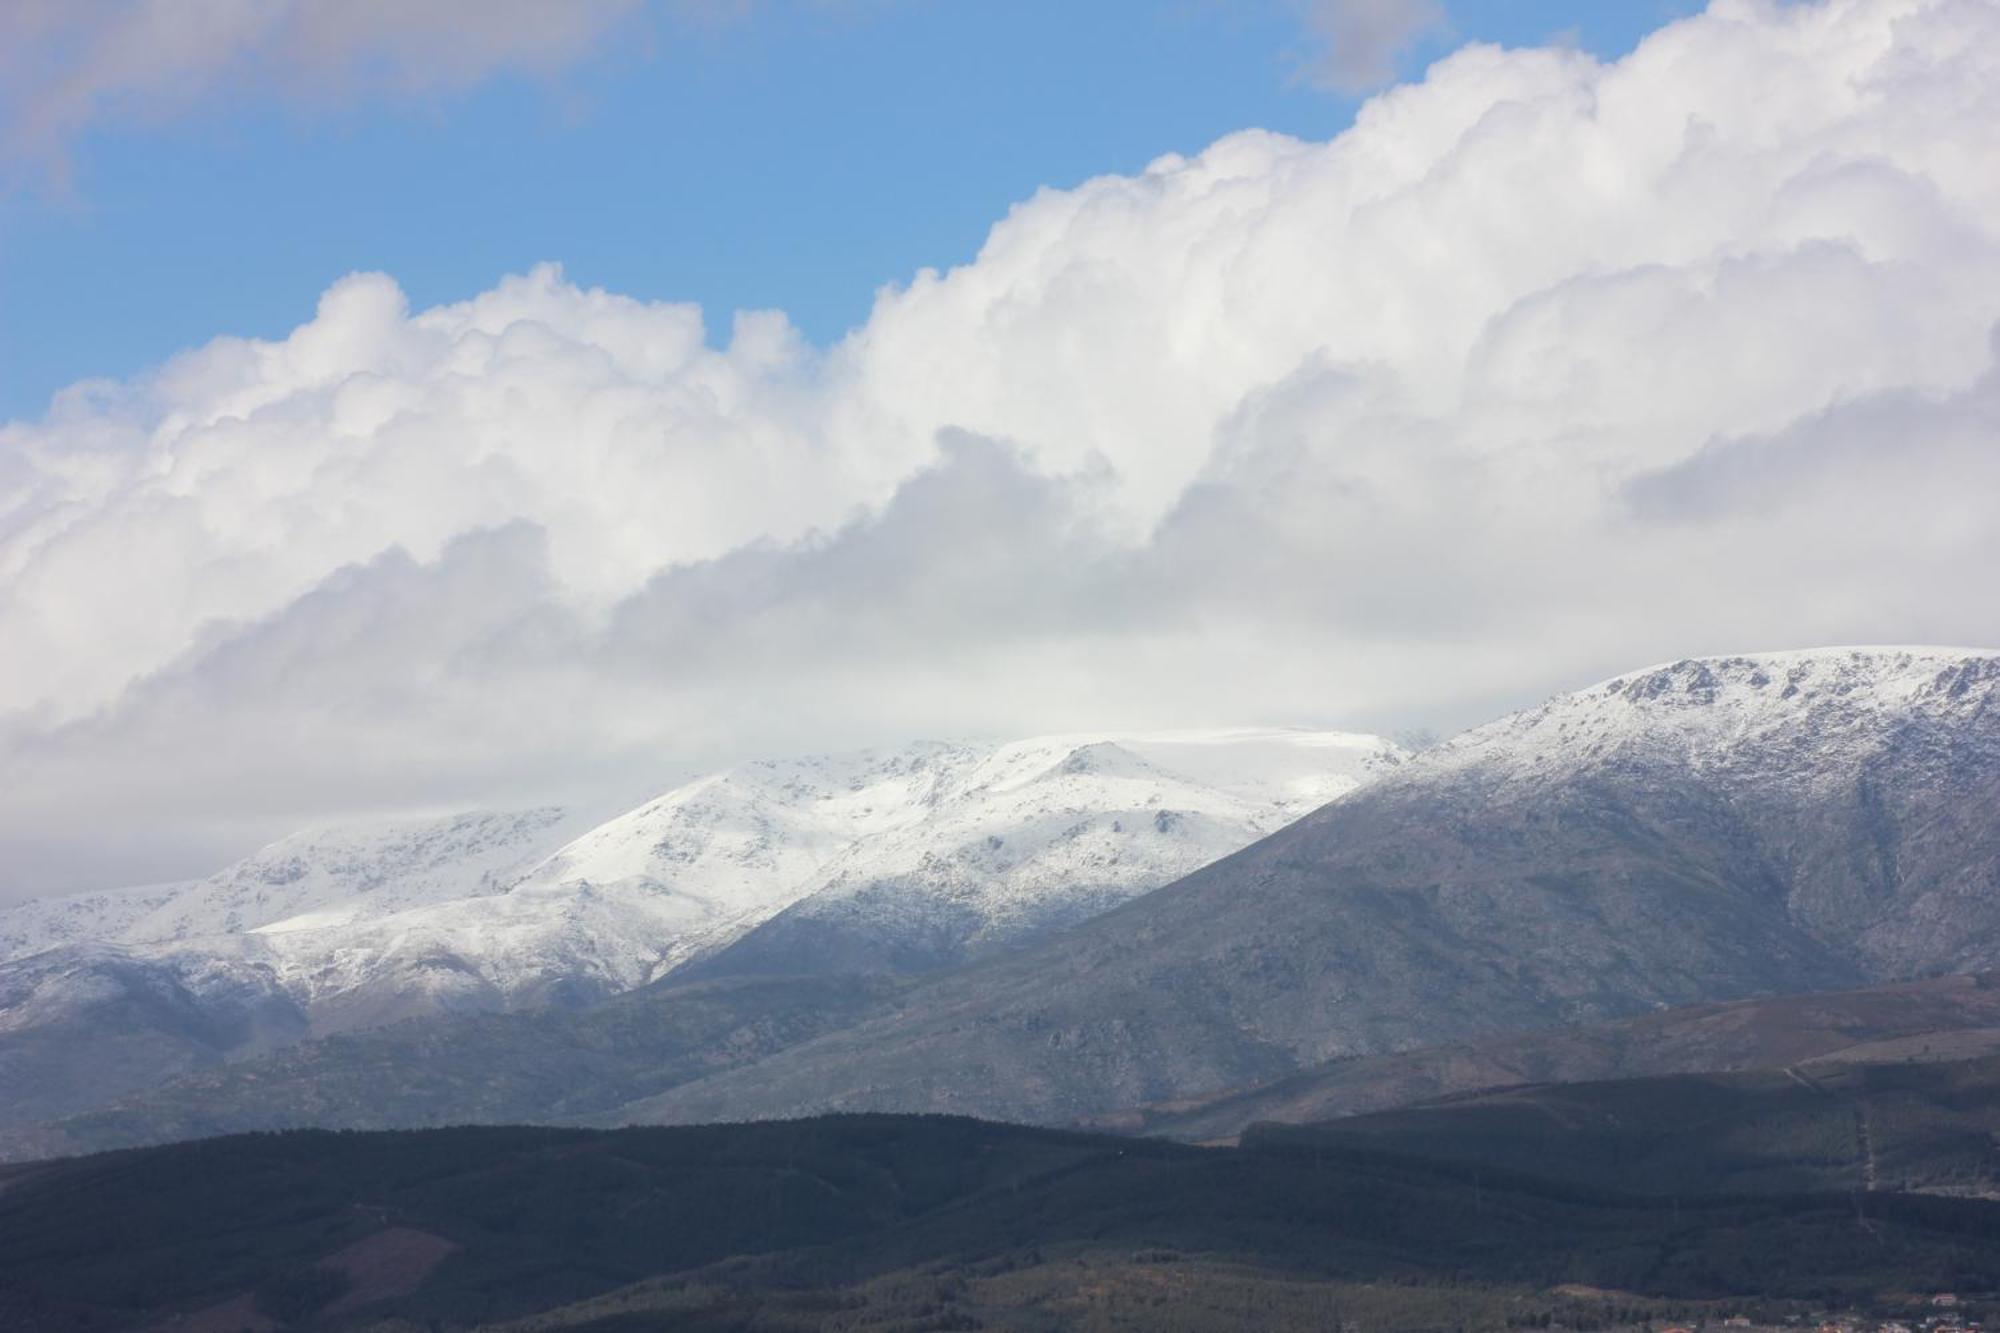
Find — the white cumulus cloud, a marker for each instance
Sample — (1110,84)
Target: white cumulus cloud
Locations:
(1546,368)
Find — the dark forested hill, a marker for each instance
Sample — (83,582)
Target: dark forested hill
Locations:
(1894,1126)
(903,1222)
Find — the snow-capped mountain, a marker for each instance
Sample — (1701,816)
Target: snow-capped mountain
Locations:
(105,993)
(348,875)
(1001,840)
(1731,827)
(41,924)
(1707,830)
(83,1024)
(312,879)
(1803,719)
(1003,844)
(929,852)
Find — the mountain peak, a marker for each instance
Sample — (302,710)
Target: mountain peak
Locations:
(1899,671)
(1794,710)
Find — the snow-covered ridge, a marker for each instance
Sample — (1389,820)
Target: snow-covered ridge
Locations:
(369,923)
(1046,831)
(1790,713)
(308,880)
(75,918)
(341,875)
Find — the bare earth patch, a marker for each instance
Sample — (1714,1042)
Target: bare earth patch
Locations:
(391,1262)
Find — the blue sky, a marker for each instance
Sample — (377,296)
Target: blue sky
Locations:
(798,157)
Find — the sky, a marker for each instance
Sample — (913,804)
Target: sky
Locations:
(786,155)
(403,414)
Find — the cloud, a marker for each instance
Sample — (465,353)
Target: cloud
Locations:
(65,66)
(1546,368)
(1357,43)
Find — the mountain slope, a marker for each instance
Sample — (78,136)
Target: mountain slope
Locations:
(1040,834)
(82,1025)
(483,1068)
(1707,830)
(103,995)
(1938,1018)
(898,861)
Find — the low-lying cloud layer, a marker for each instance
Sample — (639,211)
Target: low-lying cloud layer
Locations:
(1545,369)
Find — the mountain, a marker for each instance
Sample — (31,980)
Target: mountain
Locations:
(106,994)
(1938,1018)
(1708,830)
(83,1025)
(555,1065)
(313,879)
(919,1223)
(41,924)
(895,861)
(1023,839)
(921,857)
(332,877)
(528,1066)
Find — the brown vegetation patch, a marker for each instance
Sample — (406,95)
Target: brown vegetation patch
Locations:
(238,1314)
(392,1262)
